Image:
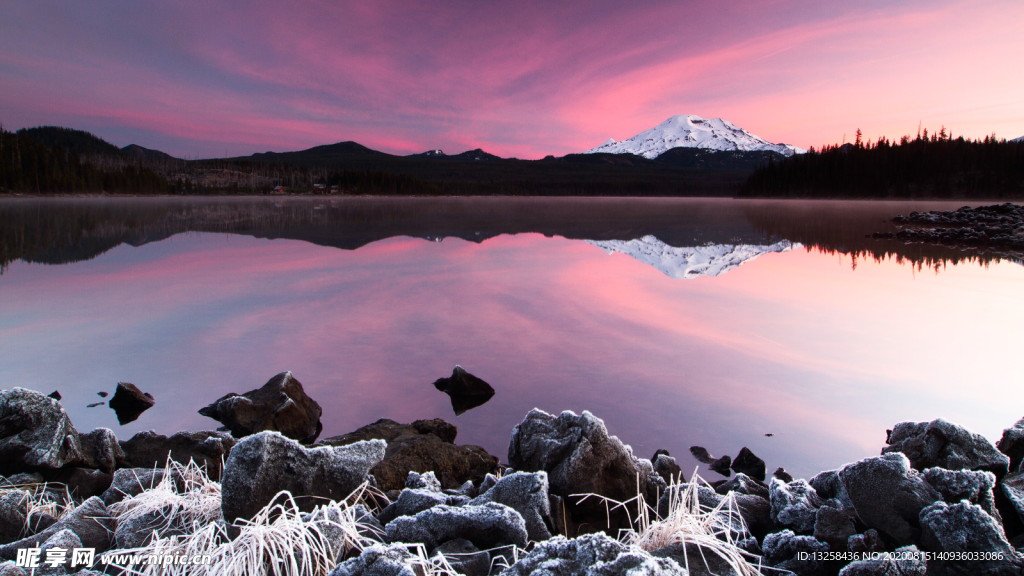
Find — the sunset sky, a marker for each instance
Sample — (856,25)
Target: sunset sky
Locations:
(524,79)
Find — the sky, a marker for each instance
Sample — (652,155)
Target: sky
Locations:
(523,78)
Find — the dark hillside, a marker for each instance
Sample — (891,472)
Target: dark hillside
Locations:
(78,141)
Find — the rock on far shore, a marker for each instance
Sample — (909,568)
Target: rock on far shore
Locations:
(280,405)
(129,402)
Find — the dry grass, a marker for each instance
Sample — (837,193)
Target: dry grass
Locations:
(42,498)
(193,504)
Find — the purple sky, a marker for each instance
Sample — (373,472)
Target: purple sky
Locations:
(521,78)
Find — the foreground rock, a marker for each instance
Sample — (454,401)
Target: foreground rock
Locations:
(35,432)
(129,402)
(262,465)
(527,494)
(581,458)
(966,528)
(591,555)
(466,391)
(944,445)
(377,561)
(489,525)
(280,405)
(1012,444)
(101,450)
(906,561)
(152,450)
(888,495)
(89,521)
(423,446)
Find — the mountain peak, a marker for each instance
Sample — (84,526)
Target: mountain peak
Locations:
(692,131)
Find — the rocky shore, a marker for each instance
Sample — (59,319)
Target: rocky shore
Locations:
(999,227)
(264,496)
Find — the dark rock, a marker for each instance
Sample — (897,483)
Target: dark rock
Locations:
(829,487)
(527,494)
(487,526)
(152,450)
(377,560)
(13,514)
(907,561)
(423,446)
(722,466)
(467,489)
(412,501)
(944,445)
(35,432)
(869,541)
(9,568)
(581,458)
(101,450)
(129,402)
(136,531)
(55,395)
(783,550)
(95,404)
(280,405)
(699,560)
(466,391)
(794,505)
(956,485)
(102,394)
(747,463)
(129,482)
(834,527)
(264,464)
(64,539)
(465,558)
(781,474)
(1012,444)
(591,555)
(965,527)
(888,495)
(701,454)
(666,467)
(24,479)
(39,521)
(659,452)
(743,484)
(83,483)
(89,521)
(1012,487)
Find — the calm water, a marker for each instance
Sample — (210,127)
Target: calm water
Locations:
(824,340)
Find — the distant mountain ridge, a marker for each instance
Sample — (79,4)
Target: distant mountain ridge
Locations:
(88,144)
(691,131)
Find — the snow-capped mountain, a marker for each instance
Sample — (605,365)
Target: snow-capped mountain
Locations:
(693,132)
(691,261)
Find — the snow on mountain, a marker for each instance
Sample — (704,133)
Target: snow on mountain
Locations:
(692,132)
(692,261)
(1021,139)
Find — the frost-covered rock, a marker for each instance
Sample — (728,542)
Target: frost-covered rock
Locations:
(264,464)
(794,505)
(487,526)
(90,521)
(425,481)
(746,462)
(13,513)
(945,445)
(1012,444)
(666,467)
(101,450)
(829,487)
(35,431)
(64,539)
(526,493)
(281,405)
(591,555)
(906,561)
(377,560)
(965,527)
(413,501)
(783,550)
(1012,487)
(971,485)
(152,450)
(131,482)
(743,484)
(869,541)
(888,495)
(9,568)
(581,458)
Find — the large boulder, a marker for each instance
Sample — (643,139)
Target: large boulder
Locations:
(487,526)
(423,446)
(794,505)
(90,521)
(152,450)
(591,555)
(829,487)
(944,445)
(281,405)
(581,458)
(262,465)
(101,450)
(972,485)
(888,495)
(966,528)
(129,402)
(465,390)
(35,432)
(906,561)
(1012,444)
(526,493)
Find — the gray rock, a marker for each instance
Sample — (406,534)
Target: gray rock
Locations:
(13,515)
(413,501)
(782,550)
(264,464)
(965,527)
(90,522)
(35,432)
(426,481)
(137,531)
(101,450)
(869,541)
(280,405)
(39,521)
(526,493)
(944,445)
(152,450)
(829,487)
(748,463)
(65,539)
(9,568)
(906,561)
(666,467)
(1012,487)
(488,482)
(377,561)
(487,526)
(956,485)
(743,484)
(82,483)
(794,505)
(835,527)
(467,490)
(697,560)
(591,555)
(23,479)
(1012,444)
(581,458)
(888,495)
(131,482)
(465,558)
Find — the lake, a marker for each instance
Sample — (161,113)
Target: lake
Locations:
(679,322)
